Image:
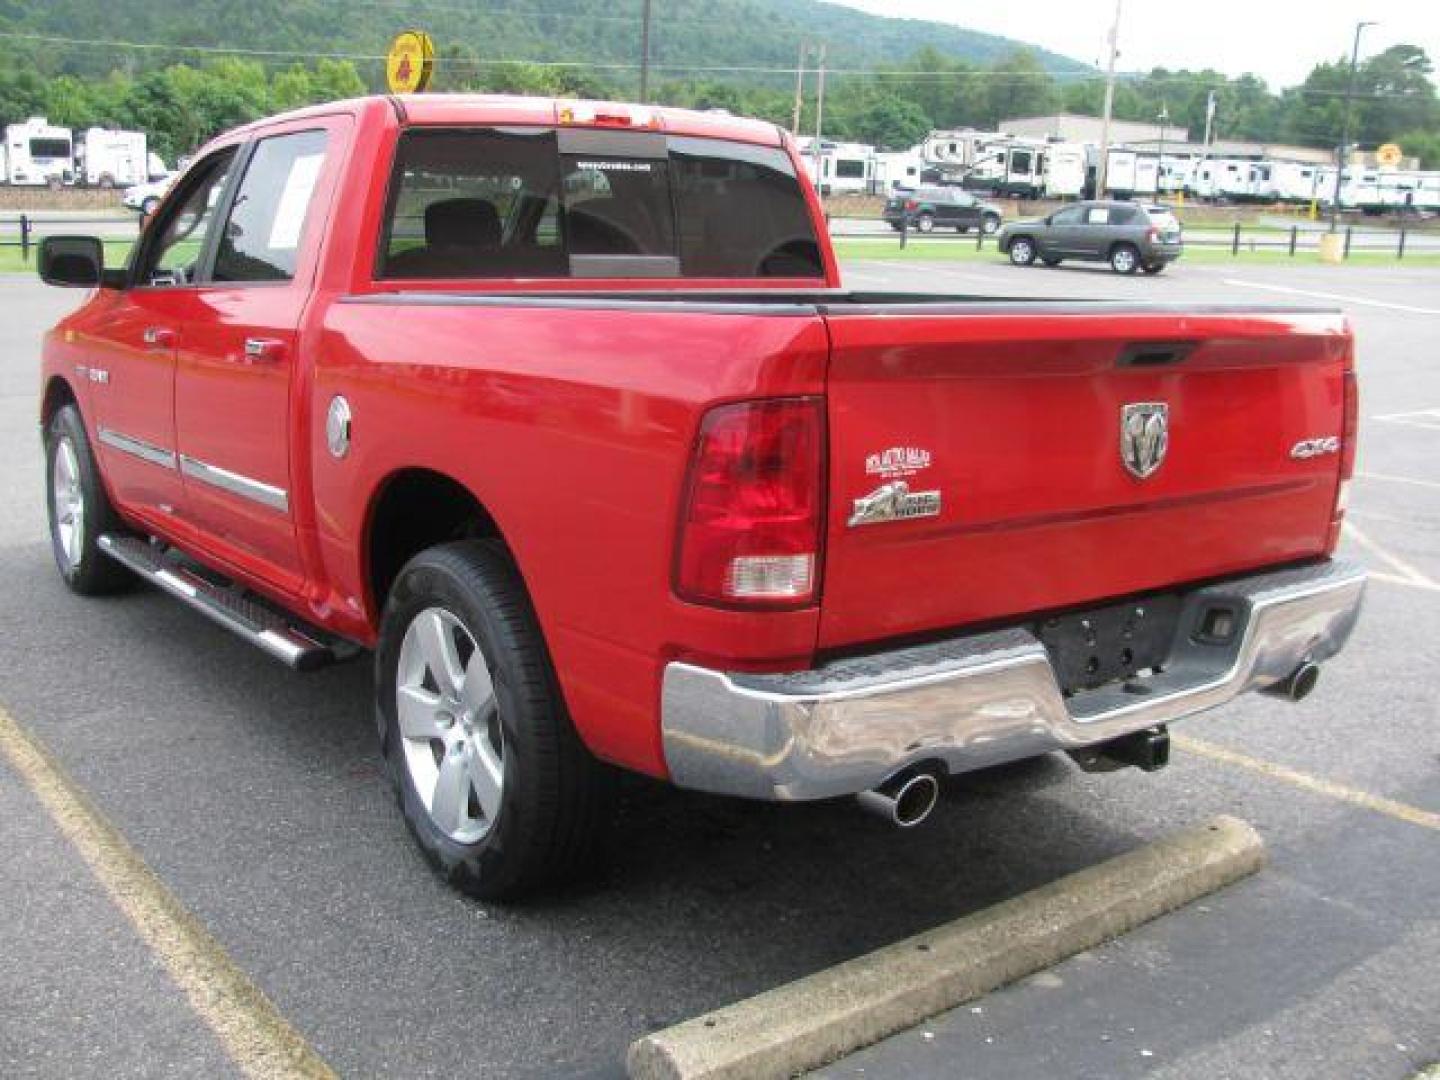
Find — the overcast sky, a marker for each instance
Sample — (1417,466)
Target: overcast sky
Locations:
(1279,40)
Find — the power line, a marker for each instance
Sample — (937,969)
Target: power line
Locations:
(1127,78)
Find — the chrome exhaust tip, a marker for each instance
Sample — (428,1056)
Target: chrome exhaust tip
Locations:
(904,801)
(1299,683)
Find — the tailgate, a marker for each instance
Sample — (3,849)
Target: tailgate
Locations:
(1024,493)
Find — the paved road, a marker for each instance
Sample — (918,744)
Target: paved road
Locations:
(254,794)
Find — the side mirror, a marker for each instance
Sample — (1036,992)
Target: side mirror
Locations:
(76,262)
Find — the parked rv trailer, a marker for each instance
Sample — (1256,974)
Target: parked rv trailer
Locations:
(838,168)
(958,149)
(39,154)
(110,159)
(1130,173)
(1013,168)
(1065,170)
(901,170)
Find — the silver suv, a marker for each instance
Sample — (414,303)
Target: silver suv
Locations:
(1129,236)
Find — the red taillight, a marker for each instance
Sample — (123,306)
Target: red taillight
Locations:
(1154,234)
(1351,429)
(1349,436)
(754,503)
(911,204)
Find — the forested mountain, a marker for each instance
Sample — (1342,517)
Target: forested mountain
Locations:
(687,34)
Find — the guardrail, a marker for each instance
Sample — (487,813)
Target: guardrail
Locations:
(1238,238)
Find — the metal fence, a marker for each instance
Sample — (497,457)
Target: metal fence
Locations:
(25,231)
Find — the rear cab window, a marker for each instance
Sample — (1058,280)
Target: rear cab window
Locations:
(495,202)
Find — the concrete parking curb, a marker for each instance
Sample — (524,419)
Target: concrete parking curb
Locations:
(825,1016)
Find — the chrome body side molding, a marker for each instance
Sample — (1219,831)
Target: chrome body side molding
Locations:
(254,490)
(145,451)
(985,699)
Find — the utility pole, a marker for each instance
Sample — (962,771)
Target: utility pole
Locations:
(1164,119)
(1103,166)
(645,53)
(1209,120)
(1345,128)
(799,90)
(819,108)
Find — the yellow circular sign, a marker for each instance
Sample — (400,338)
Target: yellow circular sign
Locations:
(410,62)
(1389,154)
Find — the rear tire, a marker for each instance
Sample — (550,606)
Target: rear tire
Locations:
(1022,251)
(490,775)
(990,224)
(79,509)
(925,223)
(1124,259)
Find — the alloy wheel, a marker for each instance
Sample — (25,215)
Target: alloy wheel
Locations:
(449,723)
(68,500)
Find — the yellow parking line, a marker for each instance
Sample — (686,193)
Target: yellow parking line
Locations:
(1389,807)
(255,1036)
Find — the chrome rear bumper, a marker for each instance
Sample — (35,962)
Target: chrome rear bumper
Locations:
(985,699)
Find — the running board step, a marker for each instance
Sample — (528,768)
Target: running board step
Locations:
(303,648)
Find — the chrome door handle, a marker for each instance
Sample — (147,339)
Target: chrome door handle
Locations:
(158,335)
(263,350)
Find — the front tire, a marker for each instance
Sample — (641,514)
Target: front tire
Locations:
(1124,259)
(490,775)
(1022,251)
(79,509)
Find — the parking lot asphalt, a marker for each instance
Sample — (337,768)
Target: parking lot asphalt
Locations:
(254,794)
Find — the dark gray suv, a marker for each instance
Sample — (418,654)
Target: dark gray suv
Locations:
(1129,236)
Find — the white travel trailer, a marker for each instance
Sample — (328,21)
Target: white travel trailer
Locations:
(1427,191)
(959,149)
(1300,182)
(107,159)
(1130,173)
(1223,178)
(1013,168)
(898,170)
(39,154)
(1065,167)
(842,167)
(1174,174)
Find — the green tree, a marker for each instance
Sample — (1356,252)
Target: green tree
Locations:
(1017,84)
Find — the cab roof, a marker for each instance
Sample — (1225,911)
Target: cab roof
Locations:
(456,109)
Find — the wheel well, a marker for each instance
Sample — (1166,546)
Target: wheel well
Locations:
(1010,240)
(417,509)
(1122,244)
(58,394)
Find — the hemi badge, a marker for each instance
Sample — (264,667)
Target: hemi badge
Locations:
(894,502)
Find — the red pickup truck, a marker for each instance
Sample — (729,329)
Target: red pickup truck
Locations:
(560,409)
